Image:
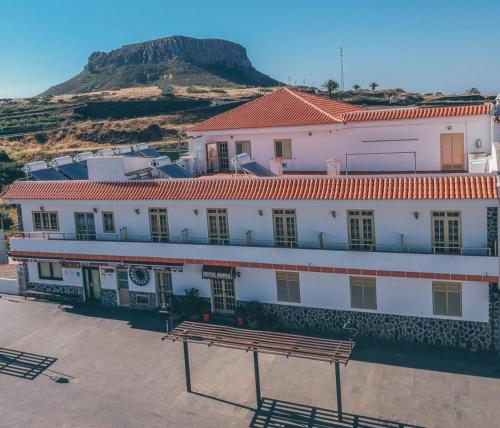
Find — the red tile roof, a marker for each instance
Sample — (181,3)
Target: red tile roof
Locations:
(298,188)
(285,107)
(280,108)
(416,113)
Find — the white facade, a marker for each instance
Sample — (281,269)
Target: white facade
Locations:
(369,146)
(404,244)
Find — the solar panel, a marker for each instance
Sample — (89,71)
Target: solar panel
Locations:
(174,171)
(149,153)
(74,171)
(48,174)
(256,169)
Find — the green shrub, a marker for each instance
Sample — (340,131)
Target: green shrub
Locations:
(197,90)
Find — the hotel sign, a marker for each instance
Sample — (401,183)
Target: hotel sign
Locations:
(218,272)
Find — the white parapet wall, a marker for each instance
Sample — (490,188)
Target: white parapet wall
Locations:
(9,286)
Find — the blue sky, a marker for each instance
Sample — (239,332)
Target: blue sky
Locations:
(437,45)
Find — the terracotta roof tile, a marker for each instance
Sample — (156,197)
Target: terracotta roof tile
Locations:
(285,107)
(415,113)
(305,188)
(280,108)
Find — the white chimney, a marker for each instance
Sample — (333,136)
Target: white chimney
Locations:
(332,167)
(276,167)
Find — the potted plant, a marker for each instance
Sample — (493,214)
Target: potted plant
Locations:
(206,309)
(240,314)
(254,314)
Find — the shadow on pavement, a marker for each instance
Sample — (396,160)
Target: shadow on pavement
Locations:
(23,364)
(427,357)
(277,413)
(142,320)
(370,350)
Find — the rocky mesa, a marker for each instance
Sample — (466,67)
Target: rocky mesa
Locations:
(176,60)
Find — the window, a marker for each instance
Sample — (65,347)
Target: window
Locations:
(50,270)
(283,149)
(45,220)
(85,226)
(158,224)
(361,230)
(218,231)
(446,232)
(285,228)
(142,299)
(108,222)
(363,292)
(288,287)
(447,299)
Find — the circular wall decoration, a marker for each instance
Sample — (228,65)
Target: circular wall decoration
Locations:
(139,275)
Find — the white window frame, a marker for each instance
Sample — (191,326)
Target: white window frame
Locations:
(113,229)
(447,288)
(288,280)
(285,148)
(363,282)
(46,223)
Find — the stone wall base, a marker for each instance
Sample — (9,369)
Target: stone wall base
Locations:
(68,290)
(143,301)
(109,297)
(455,333)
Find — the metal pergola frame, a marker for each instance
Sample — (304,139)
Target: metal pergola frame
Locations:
(289,345)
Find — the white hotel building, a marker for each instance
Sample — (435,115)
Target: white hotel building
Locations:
(388,219)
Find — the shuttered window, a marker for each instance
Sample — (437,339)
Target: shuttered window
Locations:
(50,270)
(363,292)
(45,220)
(288,287)
(447,298)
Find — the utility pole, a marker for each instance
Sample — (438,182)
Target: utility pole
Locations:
(341,70)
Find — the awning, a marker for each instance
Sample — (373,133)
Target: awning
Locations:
(218,272)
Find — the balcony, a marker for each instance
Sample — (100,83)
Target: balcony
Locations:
(248,241)
(388,258)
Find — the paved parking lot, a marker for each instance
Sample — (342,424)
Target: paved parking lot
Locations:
(91,367)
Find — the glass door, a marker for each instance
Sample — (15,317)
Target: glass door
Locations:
(122,278)
(92,283)
(158,224)
(85,226)
(218,231)
(217,157)
(223,296)
(163,287)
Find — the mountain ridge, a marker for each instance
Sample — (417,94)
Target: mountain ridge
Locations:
(176,60)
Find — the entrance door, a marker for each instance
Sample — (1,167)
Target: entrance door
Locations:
(92,283)
(217,157)
(122,278)
(223,296)
(85,226)
(163,287)
(452,151)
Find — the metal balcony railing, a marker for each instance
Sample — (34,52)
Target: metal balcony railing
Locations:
(249,241)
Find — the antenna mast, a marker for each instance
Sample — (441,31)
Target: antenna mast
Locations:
(341,70)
